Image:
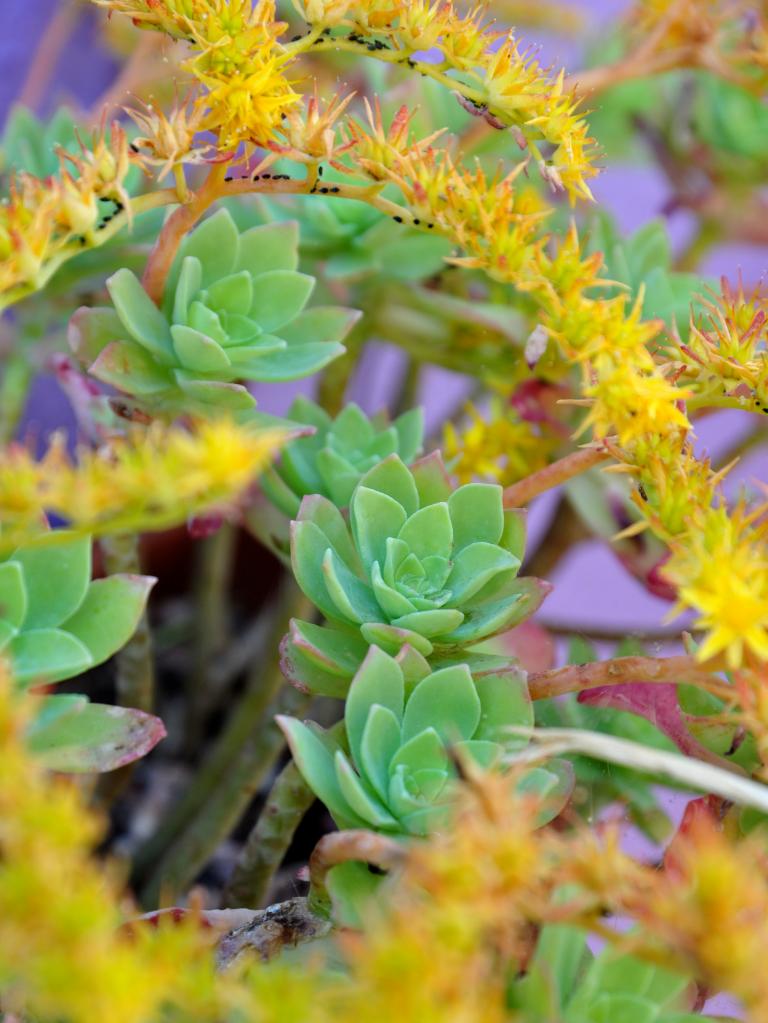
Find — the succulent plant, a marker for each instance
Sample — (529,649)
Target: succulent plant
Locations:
(233,310)
(56,623)
(394,772)
(420,563)
(397,775)
(333,460)
(564,981)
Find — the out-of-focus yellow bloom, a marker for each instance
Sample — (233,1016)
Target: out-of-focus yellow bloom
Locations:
(150,479)
(501,448)
(43,220)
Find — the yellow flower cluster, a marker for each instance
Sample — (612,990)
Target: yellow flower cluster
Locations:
(502,448)
(493,78)
(237,58)
(150,479)
(45,221)
(724,361)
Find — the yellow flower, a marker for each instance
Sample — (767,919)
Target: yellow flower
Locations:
(633,403)
(148,480)
(501,448)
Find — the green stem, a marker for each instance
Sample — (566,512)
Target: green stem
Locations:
(244,723)
(221,813)
(211,619)
(289,799)
(135,678)
(14,388)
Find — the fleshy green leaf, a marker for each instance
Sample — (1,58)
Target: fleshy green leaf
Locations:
(139,315)
(380,742)
(94,737)
(198,352)
(109,614)
(317,767)
(374,517)
(447,701)
(378,681)
(269,247)
(477,514)
(429,531)
(56,577)
(504,701)
(47,655)
(392,477)
(13,594)
(215,242)
(362,802)
(353,599)
(279,296)
(433,624)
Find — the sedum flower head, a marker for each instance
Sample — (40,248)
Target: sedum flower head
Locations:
(419,563)
(333,460)
(394,773)
(233,310)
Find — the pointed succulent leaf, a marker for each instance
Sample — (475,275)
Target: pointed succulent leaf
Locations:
(318,769)
(187,287)
(513,536)
(392,639)
(56,577)
(391,601)
(127,366)
(379,680)
(374,517)
(431,624)
(330,649)
(327,517)
(214,392)
(309,546)
(475,565)
(233,294)
(431,478)
(488,619)
(306,665)
(93,737)
(198,352)
(215,243)
(292,362)
(140,316)
(339,476)
(206,321)
(13,594)
(279,296)
(380,742)
(392,477)
(447,701)
(429,531)
(410,431)
(477,513)
(362,802)
(47,655)
(482,752)
(423,752)
(504,701)
(91,330)
(321,324)
(269,247)
(305,411)
(109,614)
(353,598)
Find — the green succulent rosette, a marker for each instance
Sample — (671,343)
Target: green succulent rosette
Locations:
(56,623)
(334,459)
(564,981)
(419,564)
(233,311)
(405,728)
